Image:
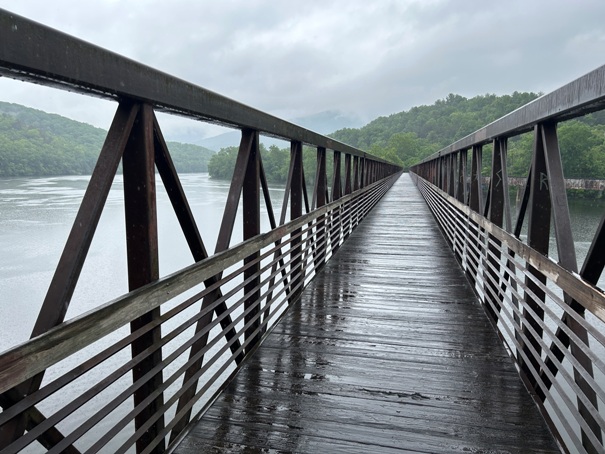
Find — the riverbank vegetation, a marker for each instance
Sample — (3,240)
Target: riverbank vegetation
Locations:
(410,136)
(36,143)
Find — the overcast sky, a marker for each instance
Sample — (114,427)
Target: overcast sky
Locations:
(362,57)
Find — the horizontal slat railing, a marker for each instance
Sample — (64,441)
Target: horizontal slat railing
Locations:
(71,337)
(134,373)
(549,313)
(28,359)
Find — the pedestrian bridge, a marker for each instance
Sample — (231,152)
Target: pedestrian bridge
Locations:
(379,312)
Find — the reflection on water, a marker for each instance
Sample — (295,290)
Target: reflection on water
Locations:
(36,215)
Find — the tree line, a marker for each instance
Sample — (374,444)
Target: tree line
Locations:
(36,143)
(276,163)
(407,137)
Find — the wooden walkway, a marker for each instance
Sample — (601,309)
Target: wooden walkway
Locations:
(388,351)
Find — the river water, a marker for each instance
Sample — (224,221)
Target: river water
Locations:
(36,215)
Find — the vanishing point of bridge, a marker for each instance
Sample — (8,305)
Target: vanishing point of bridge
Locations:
(354,323)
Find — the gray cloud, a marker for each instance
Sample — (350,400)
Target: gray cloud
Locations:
(299,58)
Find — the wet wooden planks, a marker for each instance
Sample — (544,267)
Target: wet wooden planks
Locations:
(387,351)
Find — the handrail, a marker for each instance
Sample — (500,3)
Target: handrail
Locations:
(179,355)
(546,312)
(580,97)
(28,359)
(33,52)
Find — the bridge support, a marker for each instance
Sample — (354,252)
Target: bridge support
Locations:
(143,268)
(518,306)
(335,224)
(296,210)
(320,194)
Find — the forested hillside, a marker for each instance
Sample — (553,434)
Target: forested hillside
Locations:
(276,163)
(36,143)
(407,137)
(439,124)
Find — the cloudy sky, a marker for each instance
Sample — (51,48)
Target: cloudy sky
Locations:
(360,57)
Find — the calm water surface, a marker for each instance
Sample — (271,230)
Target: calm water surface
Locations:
(36,215)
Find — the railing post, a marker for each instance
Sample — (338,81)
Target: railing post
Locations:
(475,204)
(251,228)
(335,225)
(296,205)
(567,258)
(361,172)
(451,179)
(348,189)
(320,190)
(356,169)
(461,190)
(441,173)
(497,210)
(142,257)
(348,186)
(356,186)
(538,231)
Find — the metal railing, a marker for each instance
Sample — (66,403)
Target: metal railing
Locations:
(550,315)
(137,371)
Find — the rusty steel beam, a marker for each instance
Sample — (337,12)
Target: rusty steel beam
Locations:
(499,214)
(251,228)
(476,195)
(347,190)
(33,52)
(296,205)
(177,196)
(356,169)
(335,224)
(567,258)
(320,190)
(461,186)
(584,95)
(348,186)
(278,252)
(538,230)
(138,165)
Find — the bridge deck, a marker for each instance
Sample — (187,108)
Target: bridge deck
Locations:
(388,351)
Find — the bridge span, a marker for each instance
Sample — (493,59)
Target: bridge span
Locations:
(346,324)
(388,350)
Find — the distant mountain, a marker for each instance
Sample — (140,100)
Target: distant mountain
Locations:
(328,121)
(322,122)
(224,140)
(407,137)
(36,143)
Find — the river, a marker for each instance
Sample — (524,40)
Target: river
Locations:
(36,215)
